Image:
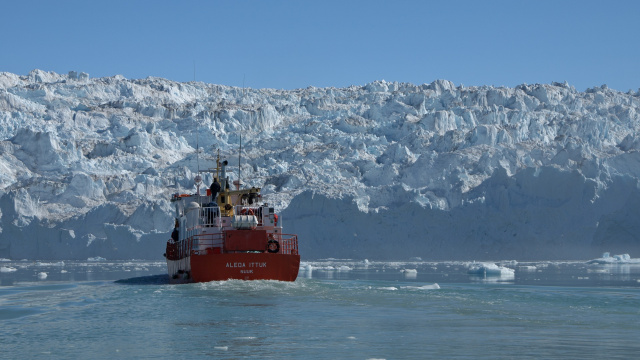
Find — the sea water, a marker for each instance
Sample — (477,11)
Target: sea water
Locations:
(337,309)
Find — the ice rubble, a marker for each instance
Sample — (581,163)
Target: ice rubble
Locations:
(386,170)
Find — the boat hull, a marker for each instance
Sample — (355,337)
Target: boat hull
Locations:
(244,266)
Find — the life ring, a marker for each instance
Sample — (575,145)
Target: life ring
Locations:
(273,246)
(250,212)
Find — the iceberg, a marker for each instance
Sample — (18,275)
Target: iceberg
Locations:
(96,259)
(410,273)
(489,270)
(7,269)
(615,259)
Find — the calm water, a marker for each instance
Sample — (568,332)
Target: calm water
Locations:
(335,310)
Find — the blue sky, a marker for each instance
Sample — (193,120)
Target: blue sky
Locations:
(296,44)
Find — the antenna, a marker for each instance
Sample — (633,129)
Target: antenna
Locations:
(198,178)
(239,159)
(218,165)
(197,129)
(197,149)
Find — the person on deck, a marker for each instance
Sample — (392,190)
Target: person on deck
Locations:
(175,235)
(215,189)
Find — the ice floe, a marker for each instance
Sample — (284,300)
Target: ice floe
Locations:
(489,269)
(8,269)
(615,259)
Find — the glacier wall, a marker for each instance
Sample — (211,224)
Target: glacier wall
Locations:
(381,171)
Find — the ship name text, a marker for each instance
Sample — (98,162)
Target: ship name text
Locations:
(244,265)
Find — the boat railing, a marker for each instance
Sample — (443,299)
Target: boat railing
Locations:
(205,241)
(288,243)
(249,210)
(184,248)
(177,250)
(210,216)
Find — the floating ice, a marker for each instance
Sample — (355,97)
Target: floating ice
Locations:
(306,267)
(7,269)
(529,268)
(410,273)
(59,263)
(96,258)
(615,259)
(489,269)
(508,263)
(42,275)
(434,286)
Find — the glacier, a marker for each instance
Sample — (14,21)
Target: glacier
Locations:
(387,170)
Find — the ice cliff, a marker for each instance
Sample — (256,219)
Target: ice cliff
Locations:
(385,170)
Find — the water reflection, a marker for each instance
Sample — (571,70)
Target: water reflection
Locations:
(492,278)
(621,272)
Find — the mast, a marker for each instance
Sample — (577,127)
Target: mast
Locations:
(218,166)
(197,150)
(198,178)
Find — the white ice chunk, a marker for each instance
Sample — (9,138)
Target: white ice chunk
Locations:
(433,286)
(529,268)
(489,269)
(615,259)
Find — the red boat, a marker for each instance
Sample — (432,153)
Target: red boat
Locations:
(229,236)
